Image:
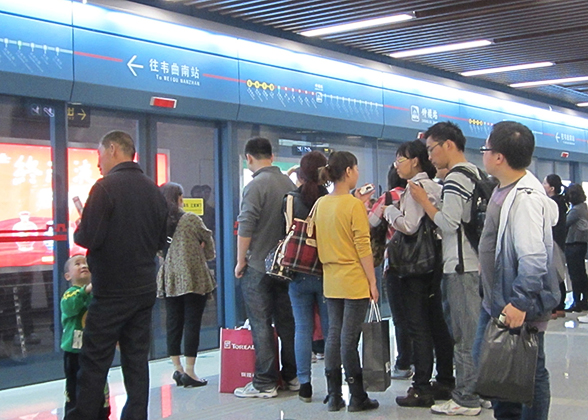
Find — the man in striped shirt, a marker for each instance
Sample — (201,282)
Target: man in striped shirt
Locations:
(460,284)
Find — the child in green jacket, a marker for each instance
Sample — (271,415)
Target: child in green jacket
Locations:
(74,305)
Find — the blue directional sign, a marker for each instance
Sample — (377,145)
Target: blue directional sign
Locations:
(290,91)
(564,138)
(418,112)
(35,48)
(102,59)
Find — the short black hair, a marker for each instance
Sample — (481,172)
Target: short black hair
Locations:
(447,131)
(575,194)
(259,148)
(514,141)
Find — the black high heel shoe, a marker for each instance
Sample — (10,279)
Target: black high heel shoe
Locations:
(177,376)
(190,382)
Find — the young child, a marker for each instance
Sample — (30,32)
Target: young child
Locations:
(74,305)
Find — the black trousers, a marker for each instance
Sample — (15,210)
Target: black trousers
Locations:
(126,321)
(184,318)
(399,317)
(71,367)
(421,298)
(575,254)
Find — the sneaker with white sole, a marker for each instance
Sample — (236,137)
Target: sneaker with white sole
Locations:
(487,404)
(401,373)
(451,408)
(293,385)
(249,391)
(583,319)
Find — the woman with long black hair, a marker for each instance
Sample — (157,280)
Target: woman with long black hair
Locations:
(185,282)
(306,291)
(421,293)
(556,191)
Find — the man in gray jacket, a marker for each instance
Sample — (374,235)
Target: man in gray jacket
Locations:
(261,226)
(516,252)
(461,281)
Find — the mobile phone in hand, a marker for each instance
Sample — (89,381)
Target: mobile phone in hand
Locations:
(78,204)
(368,188)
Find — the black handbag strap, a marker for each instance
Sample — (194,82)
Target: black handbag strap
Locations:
(460,267)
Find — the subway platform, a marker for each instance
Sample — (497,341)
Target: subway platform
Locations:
(566,344)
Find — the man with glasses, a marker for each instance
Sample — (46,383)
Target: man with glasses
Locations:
(519,278)
(460,284)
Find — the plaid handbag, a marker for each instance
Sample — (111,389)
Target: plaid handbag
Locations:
(273,260)
(299,248)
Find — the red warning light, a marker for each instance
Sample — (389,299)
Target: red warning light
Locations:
(163,102)
(565,155)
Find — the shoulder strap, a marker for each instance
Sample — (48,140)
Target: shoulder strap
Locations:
(388,200)
(288,214)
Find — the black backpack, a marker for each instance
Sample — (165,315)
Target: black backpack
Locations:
(483,188)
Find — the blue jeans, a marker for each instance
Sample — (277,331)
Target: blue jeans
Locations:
(461,307)
(542,396)
(305,291)
(345,319)
(267,300)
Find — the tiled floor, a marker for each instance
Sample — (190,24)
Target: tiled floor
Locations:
(567,359)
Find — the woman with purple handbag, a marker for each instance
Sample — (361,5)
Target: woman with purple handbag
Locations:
(306,290)
(343,242)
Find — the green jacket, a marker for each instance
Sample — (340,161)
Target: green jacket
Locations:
(74,305)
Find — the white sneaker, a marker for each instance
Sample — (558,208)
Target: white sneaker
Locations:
(248,391)
(293,385)
(451,408)
(583,319)
(487,404)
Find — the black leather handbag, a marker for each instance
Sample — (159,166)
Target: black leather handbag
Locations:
(416,254)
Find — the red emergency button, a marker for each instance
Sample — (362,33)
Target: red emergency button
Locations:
(163,102)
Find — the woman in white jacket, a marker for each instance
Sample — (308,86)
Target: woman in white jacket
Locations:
(421,294)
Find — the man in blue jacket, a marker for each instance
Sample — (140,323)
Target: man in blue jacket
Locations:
(515,252)
(122,226)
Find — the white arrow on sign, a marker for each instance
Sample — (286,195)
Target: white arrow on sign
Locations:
(130,65)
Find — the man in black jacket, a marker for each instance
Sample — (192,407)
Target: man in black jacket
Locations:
(123,226)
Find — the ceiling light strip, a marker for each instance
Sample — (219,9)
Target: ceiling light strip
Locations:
(508,68)
(362,24)
(550,82)
(442,48)
(582,104)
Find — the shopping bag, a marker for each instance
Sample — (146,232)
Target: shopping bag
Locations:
(376,351)
(237,359)
(508,362)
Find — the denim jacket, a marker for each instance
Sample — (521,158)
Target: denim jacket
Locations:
(524,273)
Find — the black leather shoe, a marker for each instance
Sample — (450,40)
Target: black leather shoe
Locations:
(190,382)
(177,376)
(305,392)
(415,399)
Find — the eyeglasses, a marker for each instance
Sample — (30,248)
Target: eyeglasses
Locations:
(485,149)
(399,161)
(430,149)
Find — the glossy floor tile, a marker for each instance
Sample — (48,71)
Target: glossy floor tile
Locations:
(567,360)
